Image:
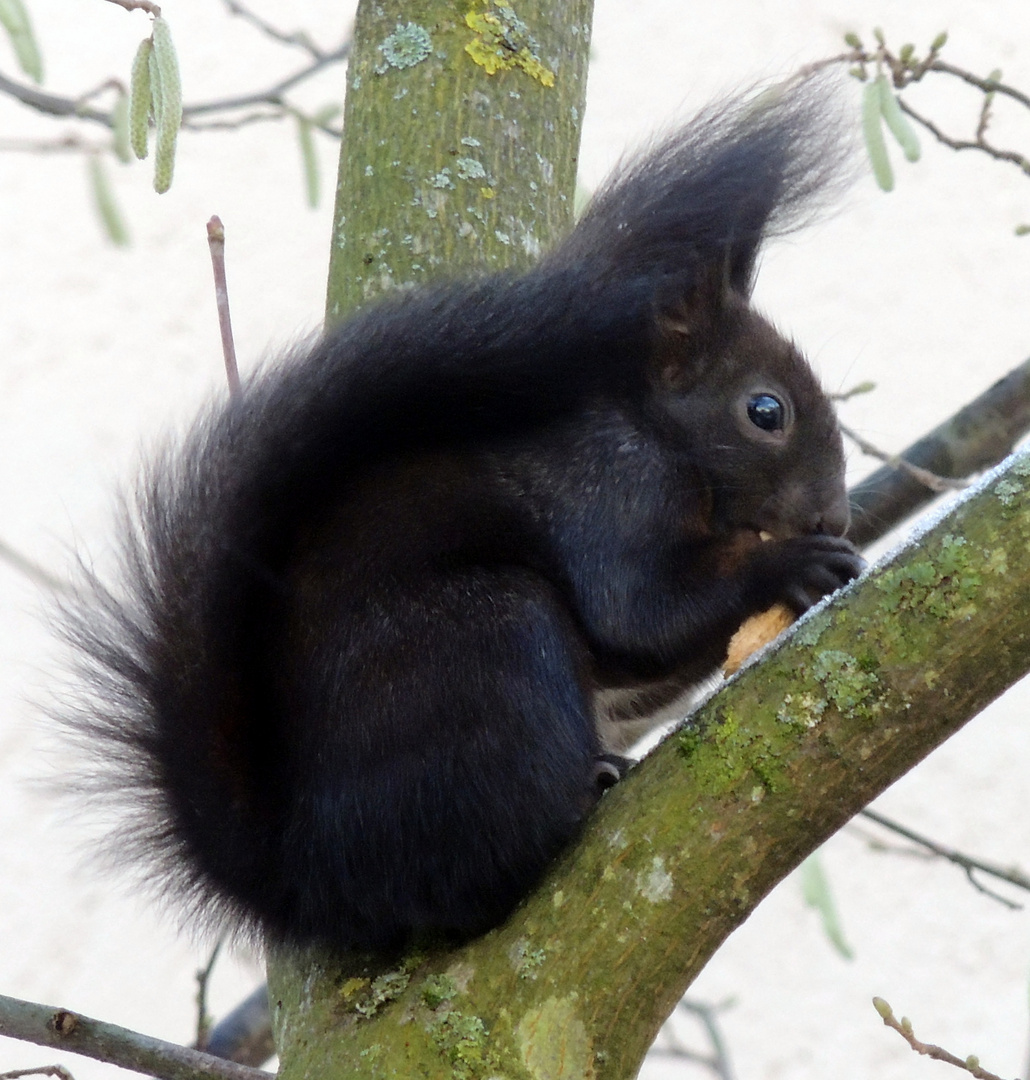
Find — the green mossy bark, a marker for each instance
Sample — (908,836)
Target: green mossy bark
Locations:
(461,138)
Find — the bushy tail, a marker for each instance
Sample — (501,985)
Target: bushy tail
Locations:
(177,709)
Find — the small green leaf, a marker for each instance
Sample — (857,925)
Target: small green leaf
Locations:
(939,41)
(897,121)
(139,98)
(881,1006)
(155,87)
(852,39)
(876,147)
(15,20)
(815,888)
(120,128)
(309,159)
(167,95)
(103,199)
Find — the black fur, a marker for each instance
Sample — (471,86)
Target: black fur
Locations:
(373,610)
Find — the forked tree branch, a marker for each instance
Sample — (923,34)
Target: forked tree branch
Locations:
(62,1029)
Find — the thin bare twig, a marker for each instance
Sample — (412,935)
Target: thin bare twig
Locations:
(988,86)
(298,37)
(904,1028)
(100,88)
(203,1016)
(70,143)
(33,571)
(65,1030)
(806,71)
(924,476)
(52,104)
(274,94)
(216,245)
(717,1061)
(985,116)
(41,1070)
(138,5)
(1011,875)
(278,113)
(979,143)
(56,105)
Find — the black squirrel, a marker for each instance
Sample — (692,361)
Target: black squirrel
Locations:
(388,618)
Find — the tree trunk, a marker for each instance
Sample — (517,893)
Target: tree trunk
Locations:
(460,142)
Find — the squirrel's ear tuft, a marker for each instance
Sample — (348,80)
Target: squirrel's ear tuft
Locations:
(699,203)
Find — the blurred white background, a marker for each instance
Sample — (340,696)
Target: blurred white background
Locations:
(923,291)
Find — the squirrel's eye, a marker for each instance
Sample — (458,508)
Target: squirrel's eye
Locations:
(766,412)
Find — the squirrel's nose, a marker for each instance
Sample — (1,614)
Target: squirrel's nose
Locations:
(835,518)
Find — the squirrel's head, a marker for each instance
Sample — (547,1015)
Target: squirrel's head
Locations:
(751,417)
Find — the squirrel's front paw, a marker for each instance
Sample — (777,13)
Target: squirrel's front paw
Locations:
(801,570)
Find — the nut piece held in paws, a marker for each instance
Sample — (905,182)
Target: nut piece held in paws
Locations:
(755,632)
